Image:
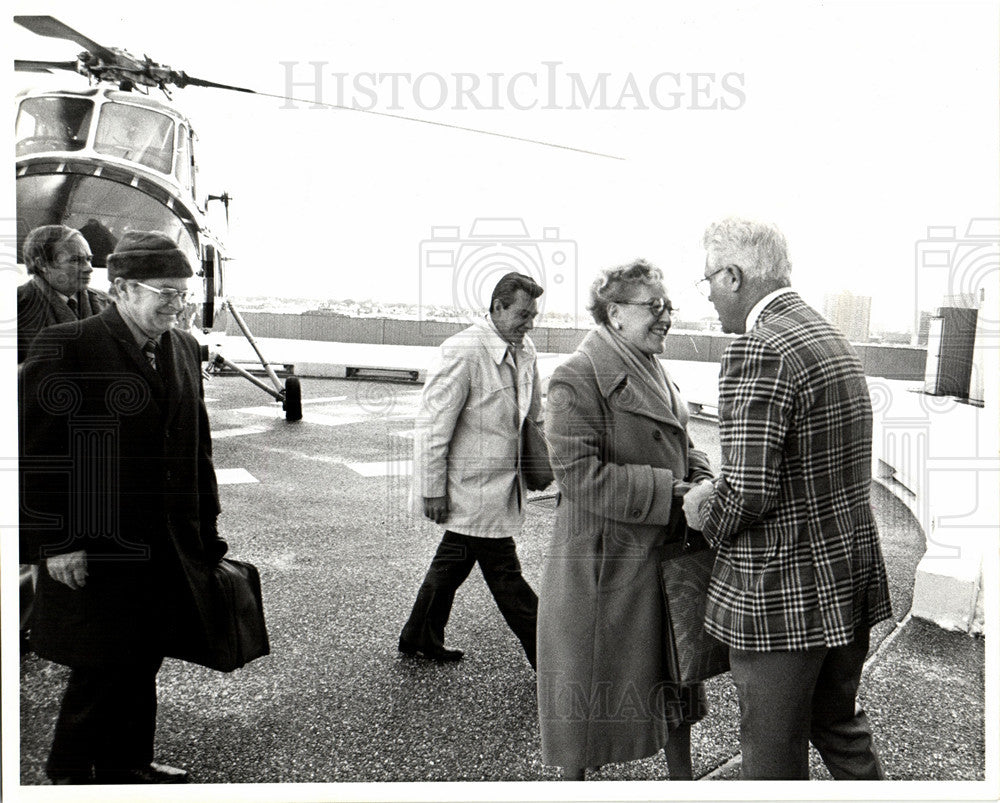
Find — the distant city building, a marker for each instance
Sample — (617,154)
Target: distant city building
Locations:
(924,327)
(851,314)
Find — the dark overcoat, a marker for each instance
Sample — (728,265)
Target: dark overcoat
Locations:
(616,449)
(38,306)
(116,459)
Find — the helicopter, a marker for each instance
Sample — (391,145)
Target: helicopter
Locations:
(111,158)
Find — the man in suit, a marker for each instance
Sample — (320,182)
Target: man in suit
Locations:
(58,262)
(799,577)
(467,473)
(57,291)
(118,506)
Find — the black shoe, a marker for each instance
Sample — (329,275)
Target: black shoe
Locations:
(154,773)
(442,654)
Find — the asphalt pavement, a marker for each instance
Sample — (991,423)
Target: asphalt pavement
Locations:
(320,507)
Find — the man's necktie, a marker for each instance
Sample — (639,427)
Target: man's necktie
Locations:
(73,306)
(149,349)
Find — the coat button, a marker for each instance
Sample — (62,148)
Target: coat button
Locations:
(636,514)
(657,435)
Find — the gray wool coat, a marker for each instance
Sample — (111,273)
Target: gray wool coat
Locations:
(617,452)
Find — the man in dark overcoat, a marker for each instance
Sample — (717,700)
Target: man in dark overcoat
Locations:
(58,261)
(58,290)
(118,506)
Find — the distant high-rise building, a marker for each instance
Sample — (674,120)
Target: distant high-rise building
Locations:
(851,314)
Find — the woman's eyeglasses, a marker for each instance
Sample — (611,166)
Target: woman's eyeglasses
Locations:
(657,306)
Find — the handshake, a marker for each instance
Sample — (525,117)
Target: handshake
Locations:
(697,502)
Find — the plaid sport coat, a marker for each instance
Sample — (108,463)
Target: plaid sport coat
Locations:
(799,563)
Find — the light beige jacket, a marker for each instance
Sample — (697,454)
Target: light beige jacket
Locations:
(467,443)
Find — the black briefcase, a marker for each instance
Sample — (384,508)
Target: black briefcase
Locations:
(535,465)
(231,610)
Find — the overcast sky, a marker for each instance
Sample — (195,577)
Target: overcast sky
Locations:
(853,126)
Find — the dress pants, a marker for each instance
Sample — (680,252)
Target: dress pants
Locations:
(454,559)
(107,720)
(788,699)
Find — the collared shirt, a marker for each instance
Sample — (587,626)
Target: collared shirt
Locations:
(758,308)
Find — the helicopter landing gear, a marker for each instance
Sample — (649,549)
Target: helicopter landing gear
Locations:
(292,403)
(290,395)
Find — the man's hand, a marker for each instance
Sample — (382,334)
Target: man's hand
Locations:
(69,569)
(695,502)
(436,508)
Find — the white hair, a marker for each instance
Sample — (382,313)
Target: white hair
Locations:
(758,248)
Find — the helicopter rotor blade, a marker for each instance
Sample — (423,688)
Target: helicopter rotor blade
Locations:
(182,79)
(43,66)
(50,26)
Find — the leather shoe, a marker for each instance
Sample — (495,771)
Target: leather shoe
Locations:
(154,773)
(442,654)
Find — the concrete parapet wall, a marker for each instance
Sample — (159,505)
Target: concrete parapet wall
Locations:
(892,362)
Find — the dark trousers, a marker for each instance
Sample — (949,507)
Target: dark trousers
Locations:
(107,720)
(454,559)
(788,699)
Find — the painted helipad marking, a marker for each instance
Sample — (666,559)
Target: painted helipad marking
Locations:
(236,432)
(324,399)
(210,400)
(383,468)
(409,434)
(234,476)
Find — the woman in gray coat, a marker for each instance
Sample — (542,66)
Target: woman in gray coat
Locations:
(617,432)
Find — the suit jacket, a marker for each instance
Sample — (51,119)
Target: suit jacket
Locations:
(116,459)
(616,449)
(799,562)
(468,435)
(38,306)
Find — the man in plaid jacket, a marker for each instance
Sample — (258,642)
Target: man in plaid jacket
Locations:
(799,577)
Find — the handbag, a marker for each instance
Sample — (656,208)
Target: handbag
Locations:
(692,654)
(535,466)
(231,610)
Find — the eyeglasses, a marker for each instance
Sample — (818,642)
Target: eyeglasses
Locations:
(168,295)
(705,285)
(75,261)
(657,306)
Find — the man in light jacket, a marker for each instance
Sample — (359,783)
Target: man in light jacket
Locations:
(467,468)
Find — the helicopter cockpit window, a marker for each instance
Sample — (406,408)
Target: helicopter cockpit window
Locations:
(137,134)
(52,124)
